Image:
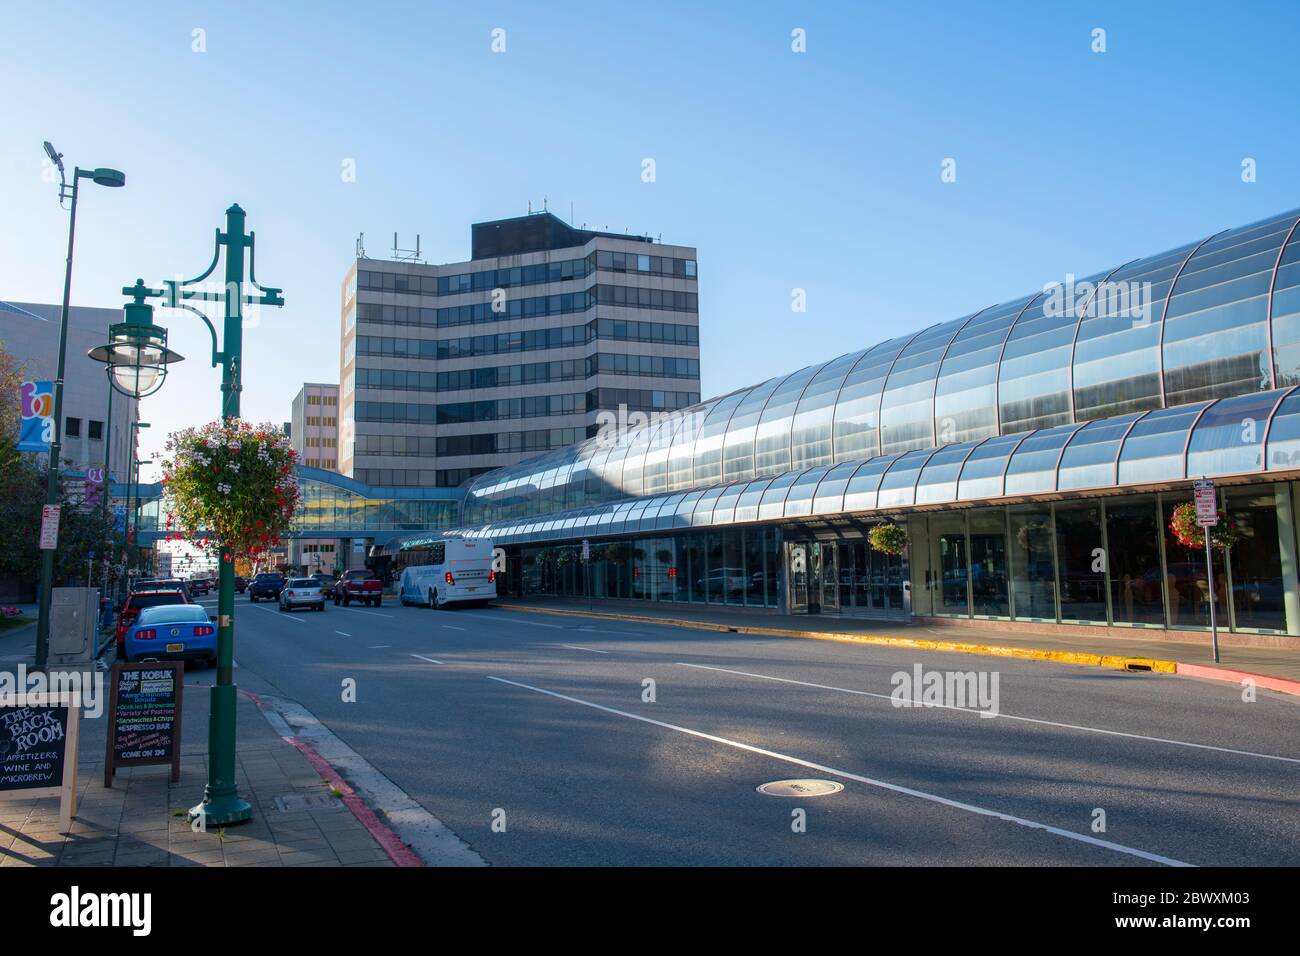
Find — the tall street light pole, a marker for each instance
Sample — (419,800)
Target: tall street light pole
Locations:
(137,358)
(101,177)
(132,526)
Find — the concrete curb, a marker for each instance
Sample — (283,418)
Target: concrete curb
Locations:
(1113,661)
(388,841)
(1282,685)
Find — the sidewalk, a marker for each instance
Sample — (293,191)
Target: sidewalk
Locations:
(298,819)
(1085,642)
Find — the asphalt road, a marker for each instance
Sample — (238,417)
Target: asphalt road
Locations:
(478,711)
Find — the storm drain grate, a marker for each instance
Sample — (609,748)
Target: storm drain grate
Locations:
(294,802)
(800,788)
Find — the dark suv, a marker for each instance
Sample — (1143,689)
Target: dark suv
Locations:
(267,586)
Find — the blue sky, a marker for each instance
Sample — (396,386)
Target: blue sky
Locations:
(818,170)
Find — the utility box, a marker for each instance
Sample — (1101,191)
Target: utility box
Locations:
(74,626)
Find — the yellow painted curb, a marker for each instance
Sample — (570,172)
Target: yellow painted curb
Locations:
(1114,661)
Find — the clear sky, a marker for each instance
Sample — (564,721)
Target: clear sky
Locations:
(816,170)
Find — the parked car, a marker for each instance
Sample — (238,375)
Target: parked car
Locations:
(327,584)
(172,632)
(138,601)
(360,586)
(266,586)
(241,584)
(302,592)
(161,584)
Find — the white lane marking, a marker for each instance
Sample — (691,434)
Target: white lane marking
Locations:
(498,617)
(869,781)
(579,647)
(453,627)
(282,614)
(1028,720)
(429,659)
(379,647)
(361,610)
(344,633)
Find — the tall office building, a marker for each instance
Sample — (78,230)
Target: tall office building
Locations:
(314,426)
(448,371)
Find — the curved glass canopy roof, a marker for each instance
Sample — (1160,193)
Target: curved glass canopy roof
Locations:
(1249,434)
(1091,379)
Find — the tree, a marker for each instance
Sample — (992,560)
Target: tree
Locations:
(22,493)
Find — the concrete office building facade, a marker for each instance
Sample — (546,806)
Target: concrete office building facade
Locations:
(1034,451)
(314,435)
(314,425)
(447,371)
(30,331)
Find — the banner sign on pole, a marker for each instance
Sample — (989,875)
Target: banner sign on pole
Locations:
(36,401)
(93,495)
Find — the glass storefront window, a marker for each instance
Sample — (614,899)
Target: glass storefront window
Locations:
(1081,561)
(988,563)
(1257,583)
(948,545)
(1136,582)
(1186,588)
(1033,569)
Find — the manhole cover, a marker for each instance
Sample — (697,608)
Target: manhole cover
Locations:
(800,788)
(288,803)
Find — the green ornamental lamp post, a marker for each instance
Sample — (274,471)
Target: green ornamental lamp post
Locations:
(111,178)
(137,358)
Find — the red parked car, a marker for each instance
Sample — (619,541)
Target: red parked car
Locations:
(137,601)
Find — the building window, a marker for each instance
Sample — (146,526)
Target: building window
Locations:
(73,429)
(96,430)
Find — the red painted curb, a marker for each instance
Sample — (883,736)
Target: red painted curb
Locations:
(397,851)
(1280,684)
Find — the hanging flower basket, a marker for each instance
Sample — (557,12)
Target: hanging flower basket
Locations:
(230,484)
(1183,526)
(887,538)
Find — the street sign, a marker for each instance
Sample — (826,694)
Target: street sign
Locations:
(1207,503)
(1207,516)
(586,549)
(49,527)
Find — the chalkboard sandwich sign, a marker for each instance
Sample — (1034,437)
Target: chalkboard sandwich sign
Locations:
(38,748)
(144,717)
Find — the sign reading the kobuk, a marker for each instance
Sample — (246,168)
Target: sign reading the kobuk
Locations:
(1207,503)
(144,717)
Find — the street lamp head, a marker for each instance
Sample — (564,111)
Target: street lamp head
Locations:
(136,355)
(113,178)
(55,156)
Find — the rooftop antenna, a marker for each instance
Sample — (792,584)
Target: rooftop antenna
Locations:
(543,204)
(530,207)
(361,246)
(407,255)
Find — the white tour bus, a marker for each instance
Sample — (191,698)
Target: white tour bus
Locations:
(437,571)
